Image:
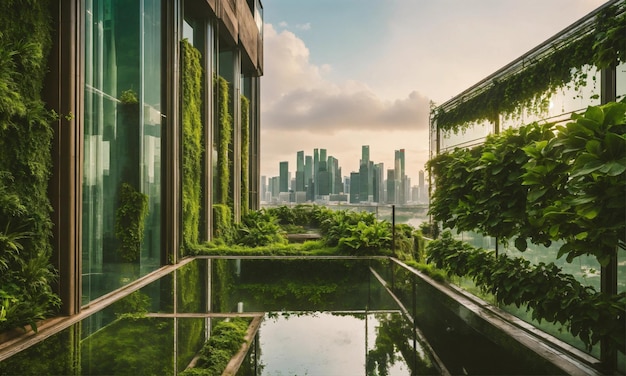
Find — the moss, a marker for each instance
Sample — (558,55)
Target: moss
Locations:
(192,142)
(222,222)
(225,120)
(245,154)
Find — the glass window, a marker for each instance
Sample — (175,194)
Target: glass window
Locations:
(122,144)
(473,135)
(620,84)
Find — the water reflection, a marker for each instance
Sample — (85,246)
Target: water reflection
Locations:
(341,320)
(347,343)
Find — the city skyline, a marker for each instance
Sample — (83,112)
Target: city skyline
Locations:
(318,176)
(326,82)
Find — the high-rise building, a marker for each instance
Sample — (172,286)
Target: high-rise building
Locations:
(316,168)
(379,182)
(284,176)
(263,187)
(354,192)
(300,172)
(391,186)
(116,67)
(400,177)
(422,195)
(308,170)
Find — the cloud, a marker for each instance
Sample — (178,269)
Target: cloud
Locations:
(296,96)
(306,26)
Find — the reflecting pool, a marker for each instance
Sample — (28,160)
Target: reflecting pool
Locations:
(319,317)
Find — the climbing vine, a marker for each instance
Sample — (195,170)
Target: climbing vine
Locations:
(193,149)
(225,120)
(532,87)
(245,153)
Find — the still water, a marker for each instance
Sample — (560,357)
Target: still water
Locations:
(320,317)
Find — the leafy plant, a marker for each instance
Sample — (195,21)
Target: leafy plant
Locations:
(577,181)
(129,222)
(259,228)
(366,238)
(129,97)
(551,295)
(25,166)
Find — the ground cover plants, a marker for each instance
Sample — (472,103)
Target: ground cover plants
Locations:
(342,232)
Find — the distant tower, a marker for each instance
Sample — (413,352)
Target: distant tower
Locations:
(284,177)
(391,186)
(316,168)
(365,174)
(400,176)
(354,190)
(422,187)
(300,172)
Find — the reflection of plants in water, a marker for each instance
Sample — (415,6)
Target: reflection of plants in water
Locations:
(313,292)
(130,346)
(223,285)
(134,305)
(392,336)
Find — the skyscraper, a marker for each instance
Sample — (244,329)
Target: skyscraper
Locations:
(400,177)
(284,176)
(300,172)
(422,187)
(316,167)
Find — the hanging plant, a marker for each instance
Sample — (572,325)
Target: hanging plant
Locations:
(531,88)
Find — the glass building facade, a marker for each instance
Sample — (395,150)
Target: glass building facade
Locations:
(116,67)
(590,86)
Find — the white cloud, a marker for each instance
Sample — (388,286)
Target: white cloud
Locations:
(305,26)
(302,110)
(296,95)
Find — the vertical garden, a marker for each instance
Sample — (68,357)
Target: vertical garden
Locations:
(558,183)
(26,274)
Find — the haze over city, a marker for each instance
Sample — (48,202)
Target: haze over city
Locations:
(339,74)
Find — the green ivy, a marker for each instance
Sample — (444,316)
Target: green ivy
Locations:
(130,221)
(225,120)
(222,222)
(193,149)
(551,295)
(532,87)
(25,163)
(245,153)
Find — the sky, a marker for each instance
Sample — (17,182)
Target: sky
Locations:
(339,74)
